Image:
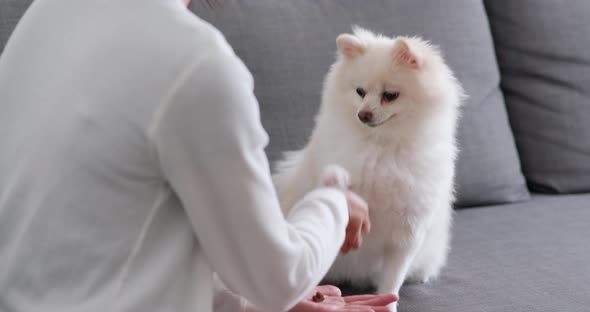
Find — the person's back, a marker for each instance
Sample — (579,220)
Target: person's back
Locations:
(132,166)
(81,82)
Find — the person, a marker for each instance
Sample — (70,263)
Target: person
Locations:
(133,167)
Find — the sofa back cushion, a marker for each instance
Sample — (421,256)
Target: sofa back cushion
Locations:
(10,12)
(289,46)
(543,49)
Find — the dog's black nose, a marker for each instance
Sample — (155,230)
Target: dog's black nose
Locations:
(365,116)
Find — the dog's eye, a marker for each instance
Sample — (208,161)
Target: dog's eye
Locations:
(390,96)
(361,92)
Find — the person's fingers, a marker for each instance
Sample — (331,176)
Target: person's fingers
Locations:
(355,309)
(355,298)
(354,227)
(306,306)
(361,298)
(333,304)
(329,290)
(345,248)
(350,243)
(334,300)
(366,227)
(370,308)
(358,239)
(362,213)
(356,244)
(358,222)
(371,299)
(350,233)
(381,309)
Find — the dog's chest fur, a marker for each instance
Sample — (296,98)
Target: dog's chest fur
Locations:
(399,185)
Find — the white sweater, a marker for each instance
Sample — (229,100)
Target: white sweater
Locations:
(132,166)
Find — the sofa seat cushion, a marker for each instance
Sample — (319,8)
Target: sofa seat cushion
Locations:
(530,256)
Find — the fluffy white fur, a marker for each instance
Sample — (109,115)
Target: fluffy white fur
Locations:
(402,161)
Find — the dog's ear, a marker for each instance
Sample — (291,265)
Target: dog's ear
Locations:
(350,46)
(404,53)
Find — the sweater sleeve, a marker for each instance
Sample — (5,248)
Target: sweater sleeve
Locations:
(210,145)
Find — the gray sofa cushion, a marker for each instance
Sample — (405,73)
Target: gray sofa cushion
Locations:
(289,46)
(543,51)
(10,13)
(531,256)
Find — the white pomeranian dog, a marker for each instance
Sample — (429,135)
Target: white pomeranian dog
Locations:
(388,118)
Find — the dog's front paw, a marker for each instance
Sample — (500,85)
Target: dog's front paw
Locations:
(335,176)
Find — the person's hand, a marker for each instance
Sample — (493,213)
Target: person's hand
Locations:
(332,301)
(358,211)
(359,224)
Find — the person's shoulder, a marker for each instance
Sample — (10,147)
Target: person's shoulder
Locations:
(197,34)
(215,55)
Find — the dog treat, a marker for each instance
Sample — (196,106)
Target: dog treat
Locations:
(318,297)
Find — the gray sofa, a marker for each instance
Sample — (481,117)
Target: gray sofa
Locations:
(521,238)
